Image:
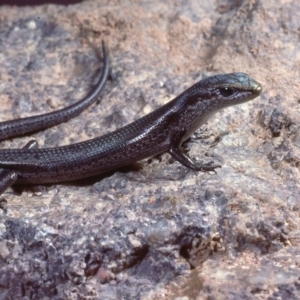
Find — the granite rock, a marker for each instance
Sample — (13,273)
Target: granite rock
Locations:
(155,230)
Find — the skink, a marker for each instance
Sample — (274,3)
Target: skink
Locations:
(163,130)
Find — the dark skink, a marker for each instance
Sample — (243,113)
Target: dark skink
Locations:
(163,130)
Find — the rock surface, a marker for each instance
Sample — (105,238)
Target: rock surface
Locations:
(156,230)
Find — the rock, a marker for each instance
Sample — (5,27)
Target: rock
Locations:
(155,230)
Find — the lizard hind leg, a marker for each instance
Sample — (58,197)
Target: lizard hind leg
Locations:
(9,177)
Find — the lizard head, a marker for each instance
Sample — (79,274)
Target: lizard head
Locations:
(230,89)
(213,93)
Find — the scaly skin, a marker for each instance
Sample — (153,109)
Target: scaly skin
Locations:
(163,130)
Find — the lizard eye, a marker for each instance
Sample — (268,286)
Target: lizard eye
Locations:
(226,91)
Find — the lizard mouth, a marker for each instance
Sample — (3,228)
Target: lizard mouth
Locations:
(257,88)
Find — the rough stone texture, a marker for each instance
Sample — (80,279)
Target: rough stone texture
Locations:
(156,230)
